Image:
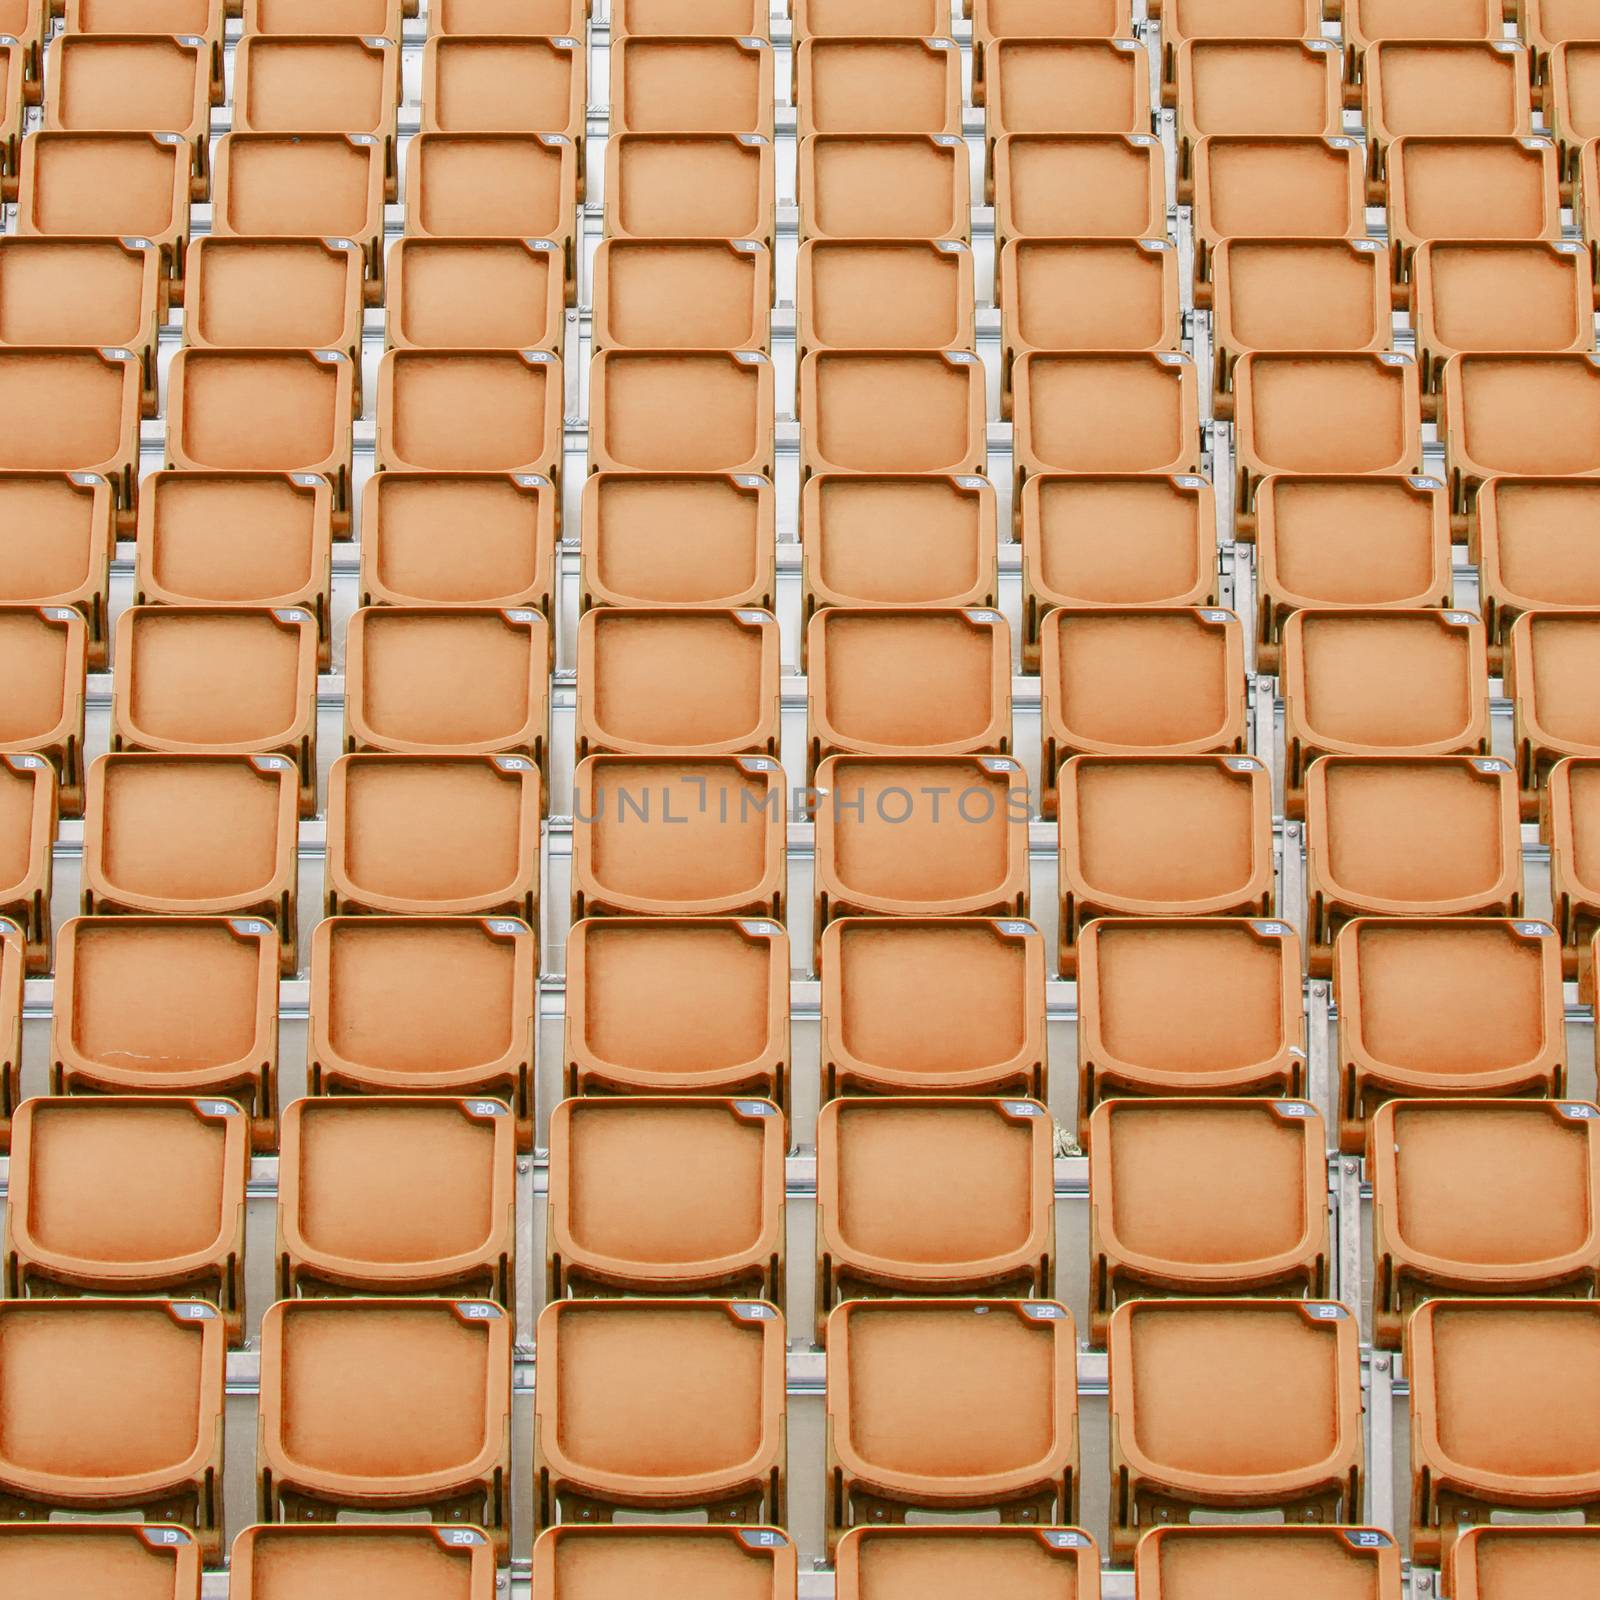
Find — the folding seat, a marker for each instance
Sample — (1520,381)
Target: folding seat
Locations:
(65,560)
(1362,543)
(1080,186)
(264,411)
(1409,836)
(193,835)
(676,1006)
(385,1406)
(1370,22)
(452,539)
(434,836)
(1531,549)
(165,18)
(933,1005)
(1122,682)
(24,21)
(1567,807)
(691,294)
(666,1196)
(689,186)
(1500,1421)
(687,84)
(299,185)
(1506,1563)
(74,411)
(865,295)
(921,836)
(1274,188)
(425,1006)
(170,1006)
(14,60)
(396,1195)
(885,682)
(878,19)
(1551,660)
(987,1227)
(1005,1438)
(1182,20)
(13,959)
(461,680)
(879,1563)
(27,836)
(476,294)
(658,17)
(1572,77)
(884,186)
(899,541)
(1338,675)
(1547,24)
(1331,415)
(664,680)
(578,1563)
(1040,19)
(681,411)
(1162,836)
(542,18)
(877,85)
(1114,540)
(120,1196)
(1533,296)
(155,1563)
(1257,1225)
(237,540)
(1334,1563)
(379,18)
(513,84)
(1586,196)
(301,1563)
(470,411)
(114,1405)
(1174,1006)
(679,539)
(679,836)
(43,658)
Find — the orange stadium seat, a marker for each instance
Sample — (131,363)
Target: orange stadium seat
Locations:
(1567,810)
(1336,1563)
(28,812)
(299,1563)
(1530,550)
(1549,660)
(303,83)
(170,18)
(689,294)
(1040,19)
(43,659)
(884,186)
(154,1563)
(877,85)
(657,17)
(577,1563)
(833,19)
(476,294)
(1079,185)
(681,411)
(1370,22)
(543,18)
(692,84)
(66,558)
(868,295)
(1502,1563)
(689,186)
(373,17)
(902,1563)
(512,84)
(24,21)
(73,410)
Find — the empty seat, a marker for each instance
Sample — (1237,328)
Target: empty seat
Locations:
(694,294)
(987,1227)
(434,835)
(679,836)
(523,84)
(13,961)
(666,1196)
(24,21)
(1531,548)
(688,84)
(884,186)
(681,539)
(665,680)
(1200,1006)
(1237,19)
(384,1406)
(867,295)
(885,682)
(1506,1563)
(1339,674)
(73,410)
(1041,19)
(169,1006)
(470,411)
(65,560)
(1120,682)
(1191,1426)
(660,1405)
(936,1005)
(163,17)
(264,411)
(1398,835)
(193,835)
(1114,540)
(877,85)
(27,837)
(1156,836)
(578,1563)
(396,1196)
(236,540)
(877,1563)
(1550,661)
(1337,1563)
(920,836)
(674,1006)
(229,681)
(470,294)
(892,411)
(1495,1424)
(1369,22)
(458,539)
(833,19)
(425,1005)
(300,1563)
(1548,23)
(689,186)
(1566,811)
(1489,429)
(657,17)
(157,1563)
(1347,542)
(143,1429)
(1257,1225)
(509,17)
(123,1196)
(680,411)
(1005,1437)
(1573,74)
(43,659)
(1338,415)
(1041,85)
(1079,185)
(373,17)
